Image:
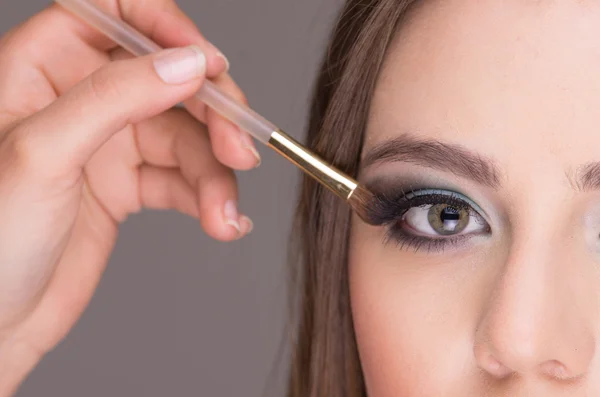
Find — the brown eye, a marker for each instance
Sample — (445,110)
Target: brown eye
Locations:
(442,219)
(447,220)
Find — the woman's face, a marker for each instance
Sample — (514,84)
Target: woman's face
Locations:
(484,144)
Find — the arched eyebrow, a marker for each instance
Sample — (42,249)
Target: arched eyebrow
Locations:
(438,155)
(461,162)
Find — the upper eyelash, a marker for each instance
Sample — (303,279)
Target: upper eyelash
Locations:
(436,198)
(388,209)
(454,199)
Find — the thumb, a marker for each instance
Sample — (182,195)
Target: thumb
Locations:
(70,130)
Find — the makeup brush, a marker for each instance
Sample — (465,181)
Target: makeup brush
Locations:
(264,131)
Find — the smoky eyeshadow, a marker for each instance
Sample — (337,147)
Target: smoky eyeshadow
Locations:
(391,193)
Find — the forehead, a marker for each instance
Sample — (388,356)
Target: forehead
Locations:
(517,80)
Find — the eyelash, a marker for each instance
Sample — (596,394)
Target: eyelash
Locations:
(390,213)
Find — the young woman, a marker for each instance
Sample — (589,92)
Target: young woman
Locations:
(474,123)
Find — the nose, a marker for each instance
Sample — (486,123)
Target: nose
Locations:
(540,313)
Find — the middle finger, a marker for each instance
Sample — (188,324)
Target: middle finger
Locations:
(176,139)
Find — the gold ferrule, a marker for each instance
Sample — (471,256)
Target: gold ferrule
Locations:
(331,178)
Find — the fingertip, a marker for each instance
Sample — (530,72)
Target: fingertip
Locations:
(225,61)
(220,219)
(246,224)
(248,144)
(231,216)
(233,147)
(180,65)
(217,62)
(221,229)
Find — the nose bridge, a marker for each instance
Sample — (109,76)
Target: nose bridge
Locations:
(540,315)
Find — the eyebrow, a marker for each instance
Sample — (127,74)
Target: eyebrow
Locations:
(437,155)
(587,177)
(461,161)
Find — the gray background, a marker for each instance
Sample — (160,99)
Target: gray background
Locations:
(176,313)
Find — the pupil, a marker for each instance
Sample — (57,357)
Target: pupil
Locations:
(449,214)
(449,218)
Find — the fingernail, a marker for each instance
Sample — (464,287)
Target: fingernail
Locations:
(232,216)
(180,65)
(248,144)
(248,221)
(227,65)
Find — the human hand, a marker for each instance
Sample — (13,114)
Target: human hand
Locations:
(85,142)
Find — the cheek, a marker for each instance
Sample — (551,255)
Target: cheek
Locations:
(413,334)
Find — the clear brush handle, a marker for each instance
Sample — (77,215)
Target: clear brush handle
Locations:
(138,44)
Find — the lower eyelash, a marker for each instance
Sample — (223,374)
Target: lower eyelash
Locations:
(405,240)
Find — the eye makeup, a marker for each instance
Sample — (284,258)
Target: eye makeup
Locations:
(420,217)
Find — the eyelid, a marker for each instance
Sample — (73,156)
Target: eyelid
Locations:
(426,192)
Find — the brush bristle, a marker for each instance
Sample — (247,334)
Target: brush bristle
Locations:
(359,201)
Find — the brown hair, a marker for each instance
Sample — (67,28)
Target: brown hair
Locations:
(325,360)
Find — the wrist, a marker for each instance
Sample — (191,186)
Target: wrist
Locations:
(17,360)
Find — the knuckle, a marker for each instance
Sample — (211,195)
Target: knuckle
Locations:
(27,156)
(19,151)
(14,41)
(103,86)
(220,178)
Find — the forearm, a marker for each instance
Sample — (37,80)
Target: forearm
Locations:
(17,360)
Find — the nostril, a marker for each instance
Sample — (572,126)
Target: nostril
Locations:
(556,370)
(495,367)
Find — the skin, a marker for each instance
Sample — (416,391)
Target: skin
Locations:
(84,143)
(515,312)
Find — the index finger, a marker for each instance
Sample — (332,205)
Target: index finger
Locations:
(54,50)
(163,22)
(51,33)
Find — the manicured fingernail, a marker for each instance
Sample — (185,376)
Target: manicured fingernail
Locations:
(232,216)
(248,222)
(180,65)
(227,65)
(248,144)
